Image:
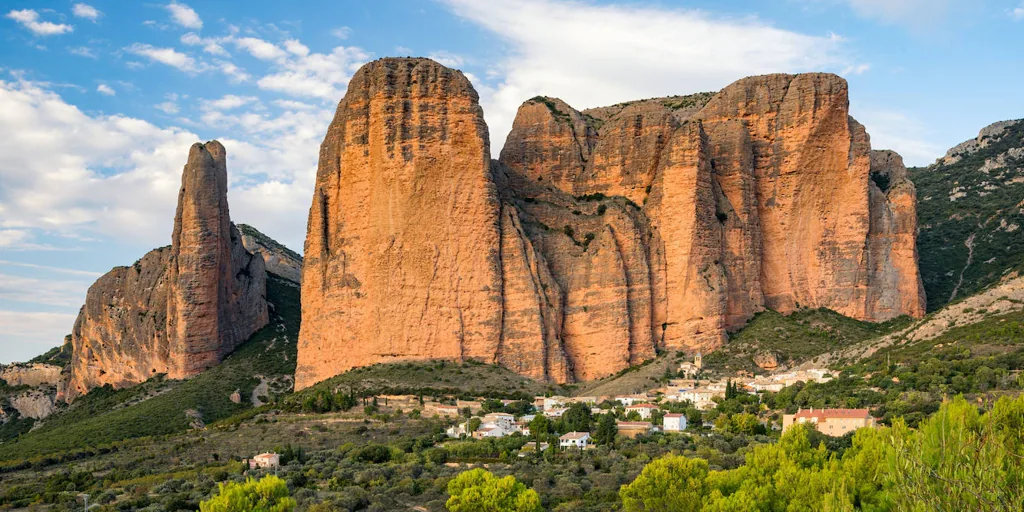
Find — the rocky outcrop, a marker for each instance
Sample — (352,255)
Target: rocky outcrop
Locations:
(36,404)
(600,236)
(895,281)
(31,375)
(180,309)
(277,258)
(402,254)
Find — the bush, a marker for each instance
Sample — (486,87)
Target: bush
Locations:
(269,494)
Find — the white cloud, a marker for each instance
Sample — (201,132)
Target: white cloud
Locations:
(28,334)
(13,237)
(69,173)
(72,174)
(47,292)
(296,47)
(83,51)
(316,75)
(1018,13)
(342,32)
(210,45)
(900,132)
(856,69)
(403,51)
(49,269)
(29,19)
(447,58)
(184,15)
(21,240)
(260,49)
(233,72)
(106,90)
(229,102)
(591,55)
(86,11)
(168,56)
(293,105)
(168,107)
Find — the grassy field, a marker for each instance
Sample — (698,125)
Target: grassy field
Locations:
(161,407)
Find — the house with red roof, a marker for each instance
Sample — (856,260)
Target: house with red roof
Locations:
(832,422)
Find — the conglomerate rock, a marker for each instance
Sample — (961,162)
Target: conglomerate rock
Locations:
(600,237)
(180,309)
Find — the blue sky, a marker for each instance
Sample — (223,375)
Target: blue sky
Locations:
(100,100)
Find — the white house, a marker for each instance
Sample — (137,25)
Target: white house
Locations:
(555,412)
(457,430)
(674,422)
(575,440)
(501,419)
(490,430)
(645,410)
(265,461)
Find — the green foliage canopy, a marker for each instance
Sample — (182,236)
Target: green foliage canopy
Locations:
(269,494)
(478,490)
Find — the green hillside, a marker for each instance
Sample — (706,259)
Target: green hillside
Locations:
(160,407)
(970,214)
(431,378)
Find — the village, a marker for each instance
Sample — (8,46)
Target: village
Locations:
(682,405)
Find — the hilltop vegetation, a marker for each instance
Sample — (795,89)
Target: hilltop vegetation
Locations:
(970,213)
(431,378)
(794,338)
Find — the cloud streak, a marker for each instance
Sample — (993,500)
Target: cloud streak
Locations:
(29,19)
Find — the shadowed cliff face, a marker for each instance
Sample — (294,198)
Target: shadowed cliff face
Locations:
(180,309)
(600,236)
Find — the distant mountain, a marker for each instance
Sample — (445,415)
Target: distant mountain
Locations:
(970,212)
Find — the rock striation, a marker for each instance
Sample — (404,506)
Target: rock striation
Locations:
(180,309)
(599,237)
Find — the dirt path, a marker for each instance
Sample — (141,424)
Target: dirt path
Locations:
(970,256)
(263,389)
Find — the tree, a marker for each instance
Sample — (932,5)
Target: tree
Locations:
(269,494)
(577,418)
(474,424)
(606,430)
(478,490)
(694,418)
(669,484)
(540,425)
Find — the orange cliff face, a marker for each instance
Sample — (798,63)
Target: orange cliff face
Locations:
(180,309)
(402,254)
(599,237)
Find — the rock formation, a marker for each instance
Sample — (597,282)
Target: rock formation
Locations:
(599,237)
(277,258)
(402,249)
(180,309)
(31,375)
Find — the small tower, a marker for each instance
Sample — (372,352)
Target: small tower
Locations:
(698,361)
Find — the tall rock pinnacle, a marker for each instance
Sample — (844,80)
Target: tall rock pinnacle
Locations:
(402,250)
(180,309)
